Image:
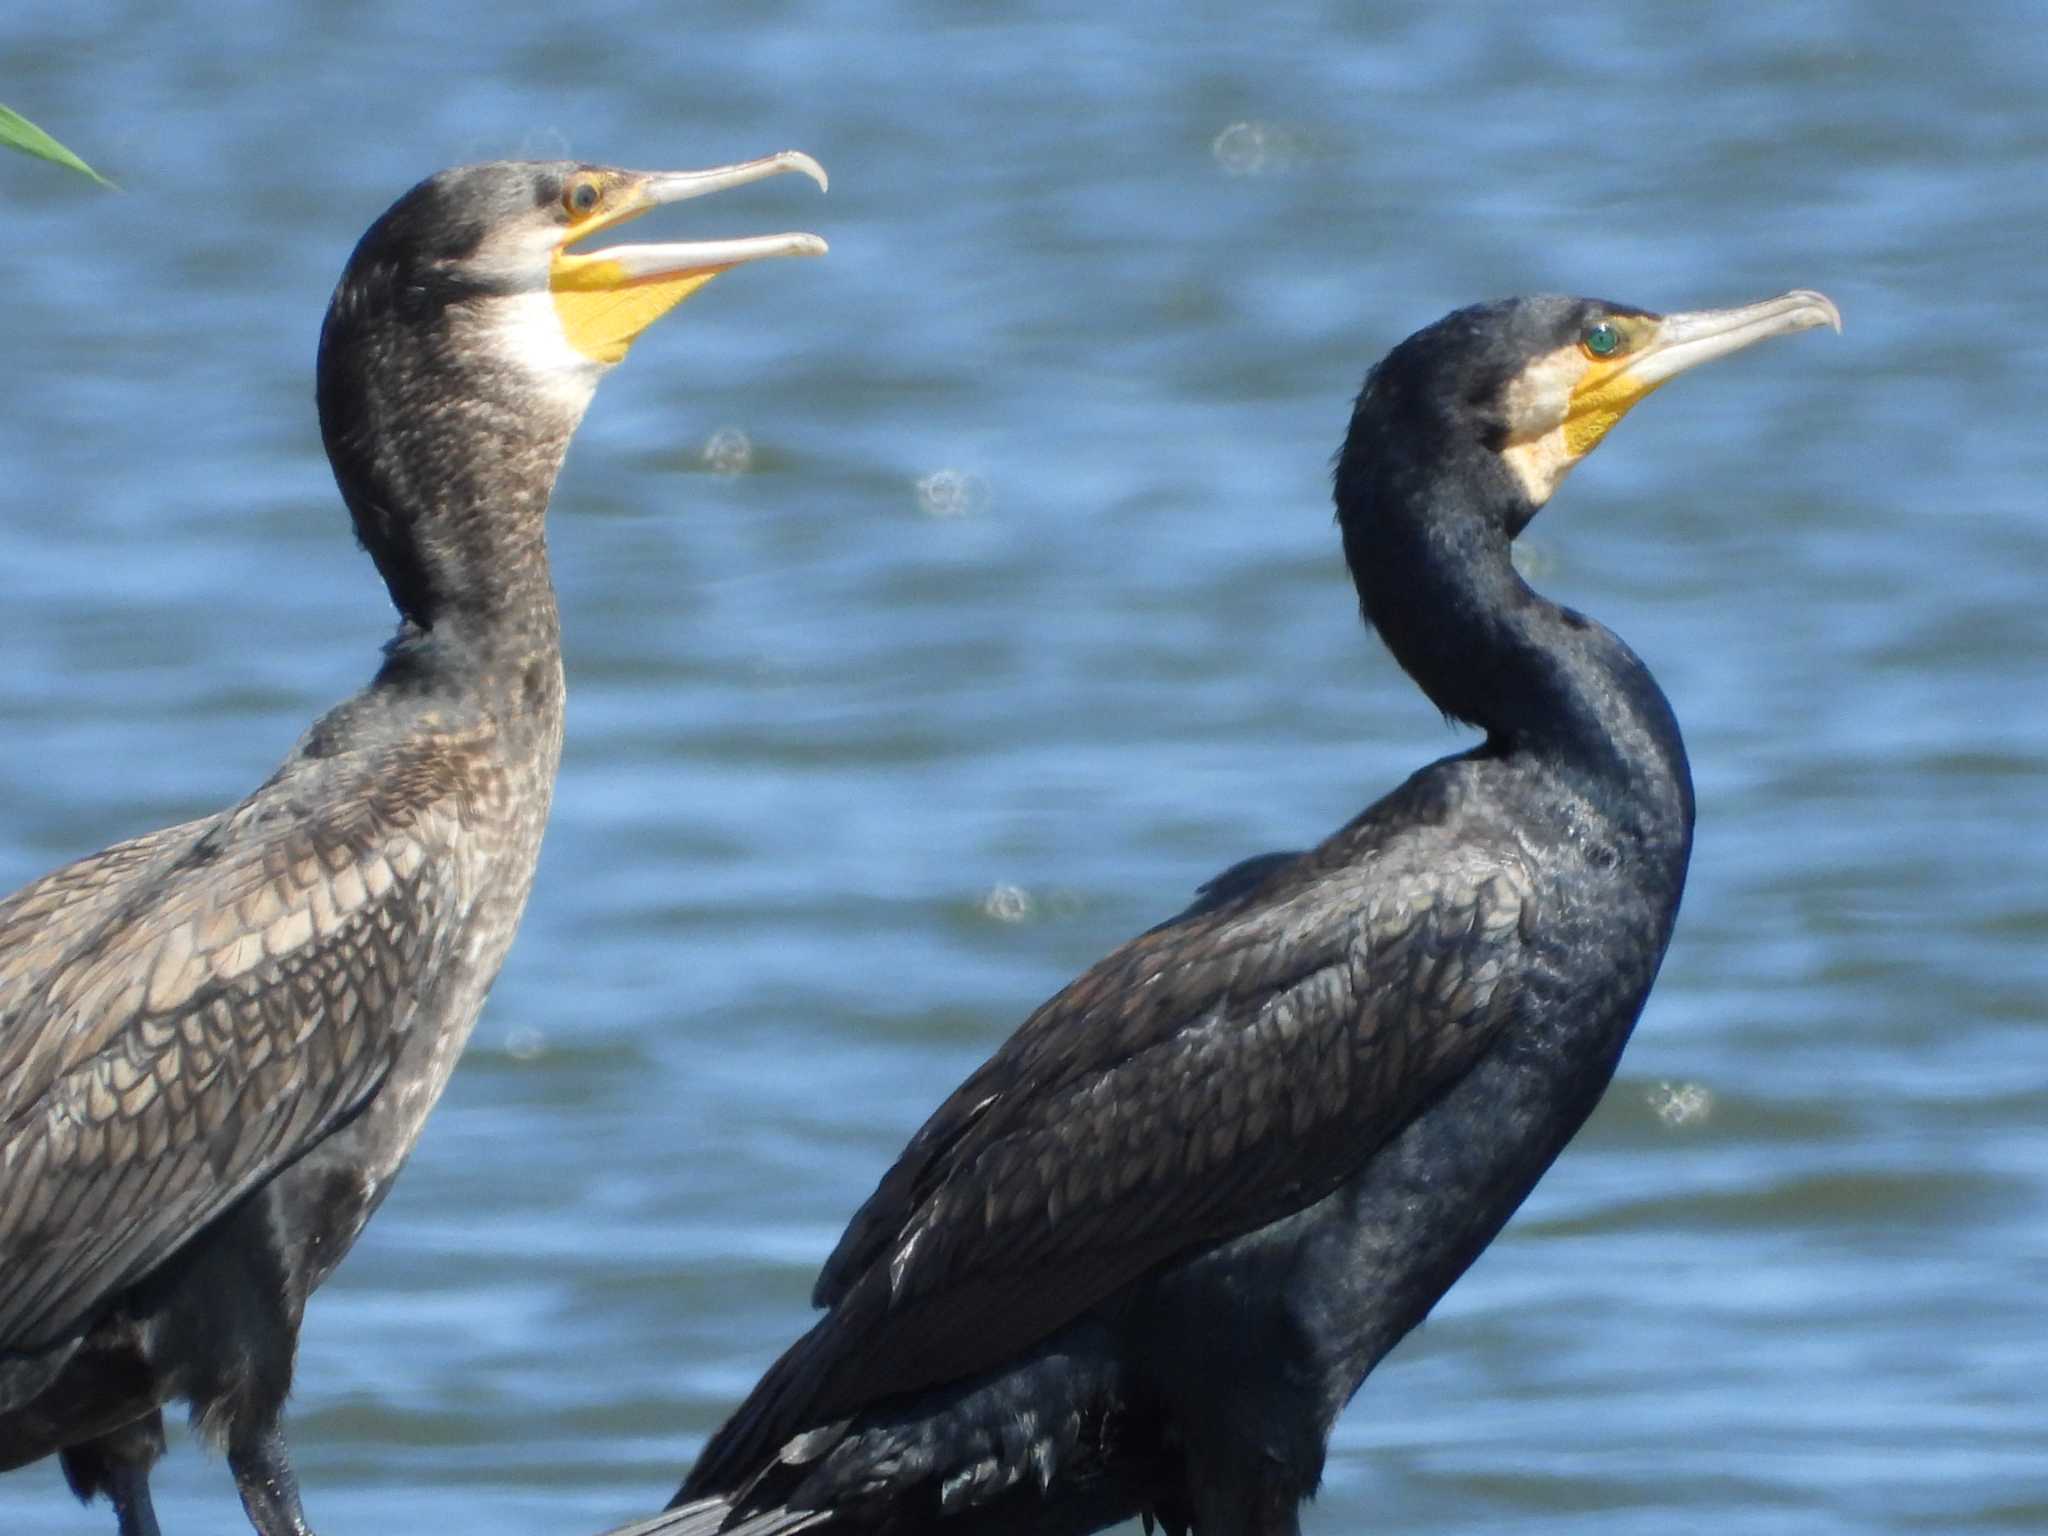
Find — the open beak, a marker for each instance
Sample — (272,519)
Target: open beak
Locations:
(1668,345)
(607,297)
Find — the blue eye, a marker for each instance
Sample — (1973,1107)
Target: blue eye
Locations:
(1602,338)
(582,196)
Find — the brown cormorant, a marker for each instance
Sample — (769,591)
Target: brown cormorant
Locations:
(218,1042)
(1141,1259)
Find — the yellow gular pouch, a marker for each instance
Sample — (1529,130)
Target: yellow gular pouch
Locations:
(1601,398)
(603,309)
(1561,405)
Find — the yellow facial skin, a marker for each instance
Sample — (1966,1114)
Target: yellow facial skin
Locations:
(1607,389)
(1562,404)
(606,298)
(602,306)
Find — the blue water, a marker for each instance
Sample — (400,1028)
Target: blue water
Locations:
(1026,615)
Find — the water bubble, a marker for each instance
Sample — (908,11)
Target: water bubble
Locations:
(526,1044)
(1240,149)
(1254,148)
(1007,904)
(1679,1104)
(951,493)
(542,144)
(729,451)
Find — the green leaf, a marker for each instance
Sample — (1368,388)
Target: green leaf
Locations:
(17,132)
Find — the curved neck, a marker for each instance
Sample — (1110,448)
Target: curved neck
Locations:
(1428,546)
(446,464)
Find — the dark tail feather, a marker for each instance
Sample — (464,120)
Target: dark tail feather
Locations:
(23,1376)
(775,1411)
(707,1517)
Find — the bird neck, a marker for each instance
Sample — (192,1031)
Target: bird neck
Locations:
(447,466)
(1428,545)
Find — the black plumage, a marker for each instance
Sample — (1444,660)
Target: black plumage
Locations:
(218,1042)
(1140,1260)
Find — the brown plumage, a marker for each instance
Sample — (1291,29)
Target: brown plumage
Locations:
(218,1042)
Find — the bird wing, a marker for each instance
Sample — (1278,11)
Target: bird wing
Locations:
(1212,1075)
(183,1015)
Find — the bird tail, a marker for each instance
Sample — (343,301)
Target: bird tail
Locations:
(709,1517)
(746,1445)
(23,1376)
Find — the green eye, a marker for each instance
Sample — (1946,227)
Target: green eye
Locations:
(1602,338)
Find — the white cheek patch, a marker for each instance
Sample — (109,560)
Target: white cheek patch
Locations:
(527,334)
(519,252)
(1538,398)
(1536,403)
(1540,463)
(524,331)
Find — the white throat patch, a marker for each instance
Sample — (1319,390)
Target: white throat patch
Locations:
(1537,402)
(527,333)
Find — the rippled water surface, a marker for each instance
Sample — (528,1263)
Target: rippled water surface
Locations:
(1024,614)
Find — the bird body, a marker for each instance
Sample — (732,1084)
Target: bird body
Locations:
(220,1041)
(1140,1260)
(1328,1090)
(248,1019)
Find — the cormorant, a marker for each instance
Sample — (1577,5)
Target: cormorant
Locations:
(218,1042)
(1141,1259)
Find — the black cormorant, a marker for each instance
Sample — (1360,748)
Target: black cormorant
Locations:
(218,1042)
(1140,1260)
